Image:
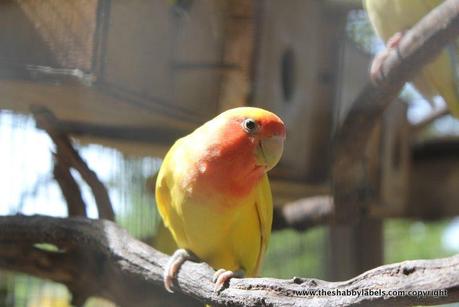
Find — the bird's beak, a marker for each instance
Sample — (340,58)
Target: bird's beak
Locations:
(269,151)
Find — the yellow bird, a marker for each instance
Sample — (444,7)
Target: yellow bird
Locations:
(163,240)
(214,196)
(390,18)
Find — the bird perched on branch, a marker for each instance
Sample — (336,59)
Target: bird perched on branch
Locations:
(213,193)
(390,18)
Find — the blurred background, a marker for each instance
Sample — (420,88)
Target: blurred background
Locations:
(126,78)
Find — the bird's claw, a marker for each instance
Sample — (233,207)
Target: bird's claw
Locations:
(376,66)
(172,267)
(221,278)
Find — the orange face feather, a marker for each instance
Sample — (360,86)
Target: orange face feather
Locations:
(229,163)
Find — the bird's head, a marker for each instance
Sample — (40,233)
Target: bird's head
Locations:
(235,149)
(255,131)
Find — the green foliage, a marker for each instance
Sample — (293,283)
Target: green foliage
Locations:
(138,212)
(48,247)
(292,253)
(24,290)
(405,240)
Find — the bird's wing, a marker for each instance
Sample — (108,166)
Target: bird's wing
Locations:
(442,74)
(163,240)
(391,16)
(453,50)
(163,192)
(428,4)
(167,198)
(264,206)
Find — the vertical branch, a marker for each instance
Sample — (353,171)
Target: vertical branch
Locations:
(68,155)
(70,189)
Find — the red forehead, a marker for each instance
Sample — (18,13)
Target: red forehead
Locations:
(271,126)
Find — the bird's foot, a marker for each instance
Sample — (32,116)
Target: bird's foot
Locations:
(376,66)
(174,264)
(395,40)
(222,277)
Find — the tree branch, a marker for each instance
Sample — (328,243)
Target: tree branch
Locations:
(69,156)
(304,213)
(98,258)
(418,46)
(94,258)
(69,187)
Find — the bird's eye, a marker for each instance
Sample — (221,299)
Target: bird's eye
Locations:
(249,125)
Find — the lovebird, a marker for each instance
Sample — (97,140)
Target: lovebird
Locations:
(390,18)
(163,240)
(213,193)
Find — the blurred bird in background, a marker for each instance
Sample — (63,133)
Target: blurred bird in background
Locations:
(390,18)
(213,193)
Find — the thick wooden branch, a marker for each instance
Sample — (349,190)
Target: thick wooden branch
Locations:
(68,155)
(94,258)
(418,46)
(97,257)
